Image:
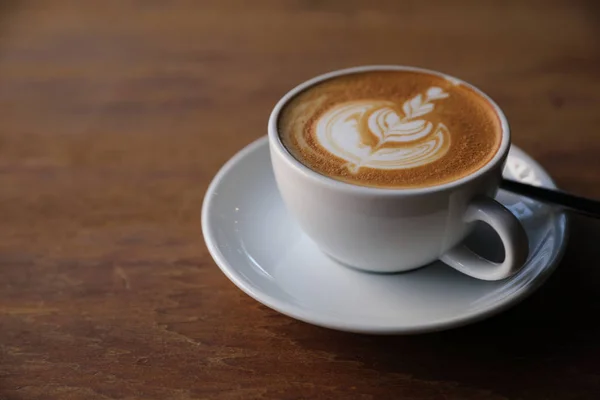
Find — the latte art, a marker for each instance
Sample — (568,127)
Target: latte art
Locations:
(377,134)
(395,129)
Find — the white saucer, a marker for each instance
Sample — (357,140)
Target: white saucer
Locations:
(260,248)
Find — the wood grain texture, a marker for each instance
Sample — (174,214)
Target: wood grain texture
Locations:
(115,115)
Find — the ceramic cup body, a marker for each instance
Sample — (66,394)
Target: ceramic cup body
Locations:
(393,230)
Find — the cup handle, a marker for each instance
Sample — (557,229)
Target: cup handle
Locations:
(511,232)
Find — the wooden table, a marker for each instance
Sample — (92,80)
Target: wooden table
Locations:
(114,117)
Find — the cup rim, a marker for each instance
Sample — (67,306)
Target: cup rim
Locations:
(323,180)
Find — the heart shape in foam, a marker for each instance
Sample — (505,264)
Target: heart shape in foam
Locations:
(388,126)
(371,133)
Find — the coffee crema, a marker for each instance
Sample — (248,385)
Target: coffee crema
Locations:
(392,129)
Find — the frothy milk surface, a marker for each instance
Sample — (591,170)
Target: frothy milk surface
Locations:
(393,129)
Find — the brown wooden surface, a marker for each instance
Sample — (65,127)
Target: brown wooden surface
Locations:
(115,115)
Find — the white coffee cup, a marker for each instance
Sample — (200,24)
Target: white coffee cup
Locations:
(392,230)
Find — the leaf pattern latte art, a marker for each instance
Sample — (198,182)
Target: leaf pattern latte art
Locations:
(381,135)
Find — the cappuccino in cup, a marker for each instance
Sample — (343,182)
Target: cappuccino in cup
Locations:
(388,168)
(391,129)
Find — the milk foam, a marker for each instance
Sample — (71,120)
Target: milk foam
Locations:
(380,135)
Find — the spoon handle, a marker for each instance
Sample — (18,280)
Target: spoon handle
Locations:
(581,205)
